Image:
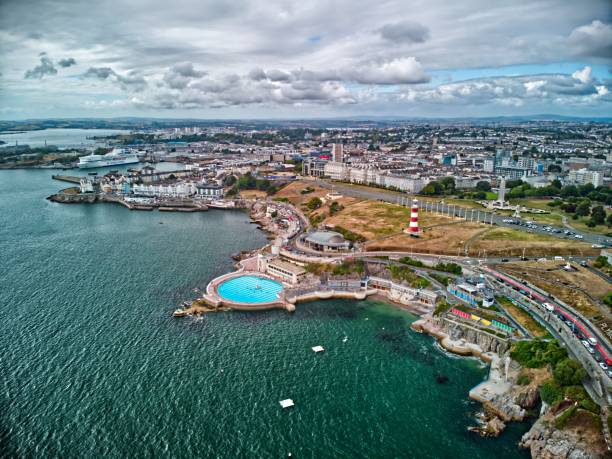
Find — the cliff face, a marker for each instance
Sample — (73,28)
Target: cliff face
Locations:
(545,441)
(486,342)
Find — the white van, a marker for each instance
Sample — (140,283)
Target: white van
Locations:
(548,307)
(558,258)
(592,341)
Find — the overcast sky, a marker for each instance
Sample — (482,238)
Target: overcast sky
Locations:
(306,58)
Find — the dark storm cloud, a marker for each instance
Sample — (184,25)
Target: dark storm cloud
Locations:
(404,32)
(45,67)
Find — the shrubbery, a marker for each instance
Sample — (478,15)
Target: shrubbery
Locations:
(452,268)
(537,353)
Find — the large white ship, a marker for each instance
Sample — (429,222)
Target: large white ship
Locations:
(115,157)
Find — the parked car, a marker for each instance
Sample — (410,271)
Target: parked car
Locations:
(585,343)
(603,366)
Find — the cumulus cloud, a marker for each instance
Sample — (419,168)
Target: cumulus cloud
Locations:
(406,70)
(578,88)
(594,39)
(583,75)
(130,81)
(66,62)
(180,75)
(404,32)
(45,67)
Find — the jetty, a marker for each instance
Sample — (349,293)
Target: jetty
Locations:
(67,178)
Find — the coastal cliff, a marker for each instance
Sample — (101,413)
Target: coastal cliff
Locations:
(580,439)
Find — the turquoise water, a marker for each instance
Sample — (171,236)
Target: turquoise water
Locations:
(250,289)
(94,365)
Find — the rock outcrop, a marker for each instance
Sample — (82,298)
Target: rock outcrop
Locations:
(486,341)
(545,441)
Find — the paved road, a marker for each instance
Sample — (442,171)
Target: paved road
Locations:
(559,328)
(466,213)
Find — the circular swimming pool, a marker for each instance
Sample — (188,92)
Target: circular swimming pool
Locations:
(250,289)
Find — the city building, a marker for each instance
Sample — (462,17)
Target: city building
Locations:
(210,190)
(337,153)
(584,176)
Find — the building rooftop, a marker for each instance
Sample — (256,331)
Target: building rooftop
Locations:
(330,238)
(290,267)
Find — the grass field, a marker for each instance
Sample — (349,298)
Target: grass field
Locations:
(556,216)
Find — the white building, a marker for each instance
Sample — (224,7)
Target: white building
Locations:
(584,176)
(336,171)
(280,269)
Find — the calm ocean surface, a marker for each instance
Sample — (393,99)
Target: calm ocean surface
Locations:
(59,137)
(93,364)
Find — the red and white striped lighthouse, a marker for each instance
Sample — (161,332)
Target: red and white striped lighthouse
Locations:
(413,228)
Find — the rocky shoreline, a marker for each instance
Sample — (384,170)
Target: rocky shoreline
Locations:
(505,399)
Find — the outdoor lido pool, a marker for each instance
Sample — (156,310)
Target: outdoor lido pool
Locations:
(250,289)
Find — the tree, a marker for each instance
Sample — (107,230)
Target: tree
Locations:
(432,188)
(568,191)
(449,184)
(483,185)
(556,183)
(584,190)
(229,180)
(598,215)
(513,183)
(568,372)
(314,204)
(609,220)
(101,151)
(583,209)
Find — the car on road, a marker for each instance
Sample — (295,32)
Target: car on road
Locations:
(609,373)
(579,236)
(505,260)
(603,366)
(585,343)
(591,350)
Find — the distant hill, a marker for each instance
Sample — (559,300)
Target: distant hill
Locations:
(372,121)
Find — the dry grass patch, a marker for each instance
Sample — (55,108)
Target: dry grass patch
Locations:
(511,242)
(444,239)
(253,194)
(375,220)
(579,288)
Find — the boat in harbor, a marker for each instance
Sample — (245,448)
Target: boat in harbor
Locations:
(116,157)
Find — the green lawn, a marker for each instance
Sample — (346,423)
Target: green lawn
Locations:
(556,217)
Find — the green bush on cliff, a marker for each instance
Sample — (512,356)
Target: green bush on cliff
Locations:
(551,392)
(568,372)
(537,353)
(523,379)
(441,307)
